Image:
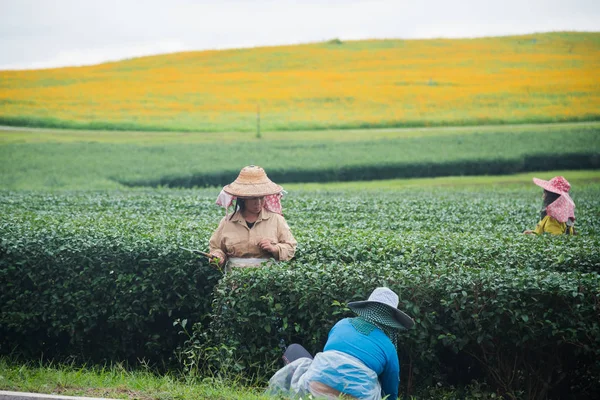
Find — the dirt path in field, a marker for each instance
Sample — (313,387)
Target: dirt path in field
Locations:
(400,129)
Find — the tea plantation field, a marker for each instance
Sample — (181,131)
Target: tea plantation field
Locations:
(111,160)
(100,275)
(92,222)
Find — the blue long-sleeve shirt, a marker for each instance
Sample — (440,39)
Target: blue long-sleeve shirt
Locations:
(375,350)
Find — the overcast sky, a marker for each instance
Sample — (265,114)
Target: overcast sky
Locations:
(51,33)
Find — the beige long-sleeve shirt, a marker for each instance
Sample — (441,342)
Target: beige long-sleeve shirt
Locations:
(233,238)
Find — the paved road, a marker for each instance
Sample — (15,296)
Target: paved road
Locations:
(4,395)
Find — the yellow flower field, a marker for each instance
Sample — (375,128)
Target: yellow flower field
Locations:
(375,83)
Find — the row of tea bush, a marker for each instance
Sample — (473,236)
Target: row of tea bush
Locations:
(102,277)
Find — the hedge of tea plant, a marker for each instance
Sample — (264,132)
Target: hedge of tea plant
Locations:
(521,329)
(102,276)
(105,161)
(379,167)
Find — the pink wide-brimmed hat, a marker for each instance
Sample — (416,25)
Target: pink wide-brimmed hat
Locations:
(558,184)
(563,208)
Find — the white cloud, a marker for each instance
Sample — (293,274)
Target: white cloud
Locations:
(48,33)
(79,57)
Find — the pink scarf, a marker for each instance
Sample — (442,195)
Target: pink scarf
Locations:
(272,202)
(562,209)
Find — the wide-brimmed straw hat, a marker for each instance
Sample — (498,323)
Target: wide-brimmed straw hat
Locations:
(558,185)
(252,182)
(382,306)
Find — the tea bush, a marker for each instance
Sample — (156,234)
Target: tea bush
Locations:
(522,329)
(380,168)
(97,277)
(101,276)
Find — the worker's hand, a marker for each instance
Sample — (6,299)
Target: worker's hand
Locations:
(219,258)
(528,232)
(266,244)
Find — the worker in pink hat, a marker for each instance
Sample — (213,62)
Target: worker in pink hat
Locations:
(558,211)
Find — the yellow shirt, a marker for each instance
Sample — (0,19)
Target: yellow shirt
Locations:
(552,226)
(233,238)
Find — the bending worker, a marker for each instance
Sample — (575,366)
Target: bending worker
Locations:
(359,361)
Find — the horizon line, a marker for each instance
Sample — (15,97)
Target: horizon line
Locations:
(10,68)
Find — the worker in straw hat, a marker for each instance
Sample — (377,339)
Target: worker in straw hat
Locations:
(558,210)
(256,231)
(360,357)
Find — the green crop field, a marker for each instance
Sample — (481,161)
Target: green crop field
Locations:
(97,275)
(103,160)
